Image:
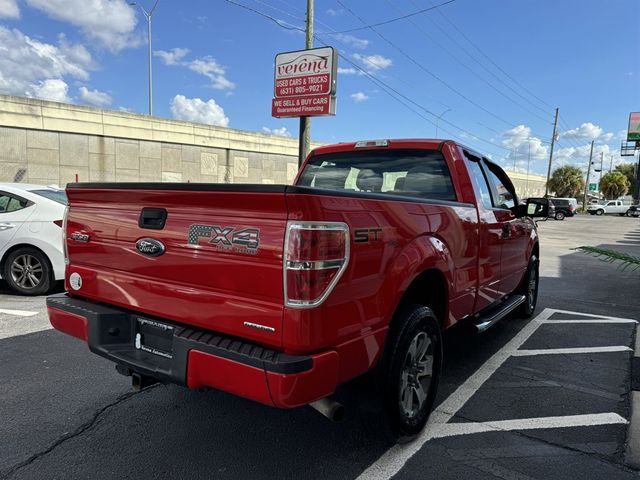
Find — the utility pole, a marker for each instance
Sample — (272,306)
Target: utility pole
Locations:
(610,163)
(601,162)
(586,185)
(305,122)
(553,142)
(148,14)
(526,188)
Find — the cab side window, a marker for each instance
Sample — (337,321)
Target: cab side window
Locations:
(11,204)
(503,197)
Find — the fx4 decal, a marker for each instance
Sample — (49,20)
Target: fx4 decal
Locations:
(226,238)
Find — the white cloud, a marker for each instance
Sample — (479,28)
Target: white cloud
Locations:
(359,97)
(207,66)
(334,13)
(355,42)
(171,57)
(26,64)
(586,131)
(111,23)
(9,9)
(95,97)
(524,150)
(373,63)
(52,89)
(278,132)
(347,71)
(199,111)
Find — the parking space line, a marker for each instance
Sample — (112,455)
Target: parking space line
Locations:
(564,351)
(18,313)
(390,462)
(589,315)
(591,420)
(394,459)
(590,322)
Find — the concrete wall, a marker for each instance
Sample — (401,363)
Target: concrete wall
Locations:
(528,185)
(53,142)
(50,143)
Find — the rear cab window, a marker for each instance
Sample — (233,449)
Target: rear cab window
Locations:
(409,173)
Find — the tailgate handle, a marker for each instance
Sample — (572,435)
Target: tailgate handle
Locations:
(153,218)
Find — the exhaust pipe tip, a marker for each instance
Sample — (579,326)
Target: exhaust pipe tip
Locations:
(329,408)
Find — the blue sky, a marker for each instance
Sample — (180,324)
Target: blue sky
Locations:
(498,68)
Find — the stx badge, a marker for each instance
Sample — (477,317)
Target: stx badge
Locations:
(226,238)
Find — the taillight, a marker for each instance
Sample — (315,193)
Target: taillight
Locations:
(64,235)
(316,255)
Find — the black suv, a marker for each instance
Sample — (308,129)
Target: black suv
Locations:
(563,208)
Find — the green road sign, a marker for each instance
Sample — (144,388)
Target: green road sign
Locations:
(593,187)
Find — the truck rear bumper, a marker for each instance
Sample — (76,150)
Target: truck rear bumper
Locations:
(197,358)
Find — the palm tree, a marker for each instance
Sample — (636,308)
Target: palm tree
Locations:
(566,181)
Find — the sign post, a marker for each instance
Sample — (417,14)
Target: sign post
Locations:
(305,83)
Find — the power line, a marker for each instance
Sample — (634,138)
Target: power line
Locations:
(467,67)
(386,22)
(492,62)
(429,72)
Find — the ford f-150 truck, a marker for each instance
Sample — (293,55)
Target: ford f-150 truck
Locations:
(281,293)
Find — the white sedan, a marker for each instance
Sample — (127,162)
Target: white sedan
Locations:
(31,255)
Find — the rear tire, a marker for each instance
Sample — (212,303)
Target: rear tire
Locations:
(27,271)
(559,216)
(529,288)
(410,371)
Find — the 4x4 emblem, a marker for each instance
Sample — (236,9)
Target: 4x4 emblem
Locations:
(226,238)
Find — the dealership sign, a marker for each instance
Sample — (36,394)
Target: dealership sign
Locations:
(305,83)
(633,134)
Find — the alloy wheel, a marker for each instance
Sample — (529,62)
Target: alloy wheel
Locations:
(27,271)
(416,375)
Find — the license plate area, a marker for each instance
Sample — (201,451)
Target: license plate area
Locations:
(154,337)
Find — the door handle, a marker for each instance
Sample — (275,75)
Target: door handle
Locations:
(6,226)
(506,232)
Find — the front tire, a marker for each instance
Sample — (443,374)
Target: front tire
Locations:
(529,288)
(599,211)
(27,271)
(559,216)
(411,371)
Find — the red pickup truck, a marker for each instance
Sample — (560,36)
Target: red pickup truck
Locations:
(281,293)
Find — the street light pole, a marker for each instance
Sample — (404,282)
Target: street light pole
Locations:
(439,117)
(148,15)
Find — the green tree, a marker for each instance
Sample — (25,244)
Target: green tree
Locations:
(614,185)
(628,170)
(566,181)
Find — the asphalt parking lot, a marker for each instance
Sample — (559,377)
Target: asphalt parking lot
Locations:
(529,399)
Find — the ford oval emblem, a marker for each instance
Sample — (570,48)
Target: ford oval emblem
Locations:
(150,247)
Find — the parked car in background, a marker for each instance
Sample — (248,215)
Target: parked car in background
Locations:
(633,211)
(608,208)
(563,207)
(31,256)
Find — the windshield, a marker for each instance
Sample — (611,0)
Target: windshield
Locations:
(56,195)
(416,173)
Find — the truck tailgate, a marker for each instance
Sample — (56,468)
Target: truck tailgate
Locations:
(220,267)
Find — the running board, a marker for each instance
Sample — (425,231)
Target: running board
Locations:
(498,313)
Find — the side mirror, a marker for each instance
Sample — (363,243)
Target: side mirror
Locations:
(537,208)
